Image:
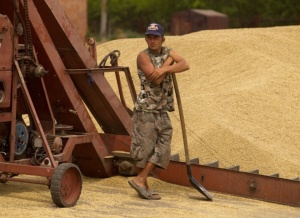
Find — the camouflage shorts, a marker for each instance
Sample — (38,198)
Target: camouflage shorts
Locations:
(151,138)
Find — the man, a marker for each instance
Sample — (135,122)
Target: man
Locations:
(152,128)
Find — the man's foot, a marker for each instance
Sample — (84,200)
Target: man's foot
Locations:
(146,194)
(140,190)
(154,195)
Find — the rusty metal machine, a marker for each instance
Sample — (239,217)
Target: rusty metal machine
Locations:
(48,79)
(52,92)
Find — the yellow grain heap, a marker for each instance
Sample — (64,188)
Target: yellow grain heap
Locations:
(240,97)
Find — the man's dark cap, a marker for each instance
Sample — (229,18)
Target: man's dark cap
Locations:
(155,29)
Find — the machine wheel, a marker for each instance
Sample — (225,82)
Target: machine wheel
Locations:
(21,138)
(66,185)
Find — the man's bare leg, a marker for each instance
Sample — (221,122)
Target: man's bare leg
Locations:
(143,173)
(146,183)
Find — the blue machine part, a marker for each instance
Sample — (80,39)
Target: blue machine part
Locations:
(21,138)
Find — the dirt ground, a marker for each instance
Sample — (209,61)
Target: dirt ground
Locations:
(241,106)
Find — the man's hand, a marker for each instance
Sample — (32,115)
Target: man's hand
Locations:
(156,75)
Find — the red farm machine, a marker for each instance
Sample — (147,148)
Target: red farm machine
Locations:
(48,79)
(52,92)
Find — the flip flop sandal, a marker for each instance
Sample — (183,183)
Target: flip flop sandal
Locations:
(154,195)
(140,190)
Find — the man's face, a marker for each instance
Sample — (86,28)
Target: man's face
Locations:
(154,42)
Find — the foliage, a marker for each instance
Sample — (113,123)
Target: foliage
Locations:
(258,13)
(133,16)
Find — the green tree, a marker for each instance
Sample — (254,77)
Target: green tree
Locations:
(94,14)
(131,16)
(135,15)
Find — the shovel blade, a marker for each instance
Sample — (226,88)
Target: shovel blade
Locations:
(197,185)
(200,188)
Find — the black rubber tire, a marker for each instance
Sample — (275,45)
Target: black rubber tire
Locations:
(66,185)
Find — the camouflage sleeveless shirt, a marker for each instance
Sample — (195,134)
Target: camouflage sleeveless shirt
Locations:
(155,98)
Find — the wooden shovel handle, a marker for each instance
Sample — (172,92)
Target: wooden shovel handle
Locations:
(185,142)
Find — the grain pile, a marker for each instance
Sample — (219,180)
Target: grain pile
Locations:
(240,99)
(114,198)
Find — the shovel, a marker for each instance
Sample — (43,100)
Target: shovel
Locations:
(192,180)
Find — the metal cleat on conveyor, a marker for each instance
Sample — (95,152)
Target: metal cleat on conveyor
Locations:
(195,161)
(275,175)
(213,164)
(254,171)
(235,168)
(175,157)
